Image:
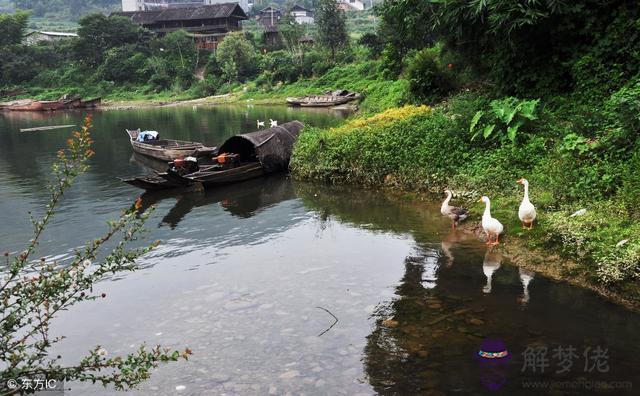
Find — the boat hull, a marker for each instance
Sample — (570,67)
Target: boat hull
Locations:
(168,149)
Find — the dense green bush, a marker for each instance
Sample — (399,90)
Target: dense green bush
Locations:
(124,64)
(429,79)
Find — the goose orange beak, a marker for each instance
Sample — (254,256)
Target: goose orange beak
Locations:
(520,181)
(480,200)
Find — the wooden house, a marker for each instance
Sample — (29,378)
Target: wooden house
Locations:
(301,14)
(269,17)
(207,24)
(37,36)
(351,5)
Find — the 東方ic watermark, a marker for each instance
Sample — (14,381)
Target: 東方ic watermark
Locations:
(37,384)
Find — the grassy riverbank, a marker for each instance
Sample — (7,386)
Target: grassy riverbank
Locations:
(422,149)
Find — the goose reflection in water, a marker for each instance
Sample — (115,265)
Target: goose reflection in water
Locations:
(490,265)
(525,278)
(452,239)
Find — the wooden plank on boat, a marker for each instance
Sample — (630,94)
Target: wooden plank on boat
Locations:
(45,128)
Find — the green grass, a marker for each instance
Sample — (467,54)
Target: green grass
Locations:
(364,77)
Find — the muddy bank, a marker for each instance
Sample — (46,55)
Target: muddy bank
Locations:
(141,104)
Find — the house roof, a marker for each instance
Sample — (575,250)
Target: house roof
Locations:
(213,11)
(269,9)
(299,8)
(56,34)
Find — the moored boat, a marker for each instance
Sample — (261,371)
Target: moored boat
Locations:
(166,149)
(64,103)
(90,103)
(328,99)
(241,157)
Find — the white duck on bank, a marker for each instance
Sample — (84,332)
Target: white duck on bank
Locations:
(455,213)
(490,265)
(274,123)
(490,225)
(260,123)
(527,212)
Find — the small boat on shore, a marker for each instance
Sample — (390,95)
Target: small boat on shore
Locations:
(33,105)
(64,103)
(90,103)
(148,143)
(328,99)
(241,157)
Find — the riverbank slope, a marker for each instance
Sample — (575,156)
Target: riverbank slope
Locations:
(417,150)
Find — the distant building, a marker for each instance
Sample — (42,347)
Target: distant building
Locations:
(37,36)
(207,24)
(351,5)
(151,5)
(269,17)
(245,4)
(301,14)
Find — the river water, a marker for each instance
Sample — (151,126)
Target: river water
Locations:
(251,276)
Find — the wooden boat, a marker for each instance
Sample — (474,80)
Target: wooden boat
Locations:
(215,175)
(64,103)
(90,103)
(73,103)
(168,149)
(158,182)
(243,157)
(33,105)
(329,99)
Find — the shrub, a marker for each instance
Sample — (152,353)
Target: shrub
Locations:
(429,80)
(503,119)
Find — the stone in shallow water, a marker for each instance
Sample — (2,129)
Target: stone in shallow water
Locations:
(235,305)
(476,321)
(289,374)
(219,378)
(180,388)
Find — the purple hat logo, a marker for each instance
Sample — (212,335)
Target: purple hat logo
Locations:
(493,358)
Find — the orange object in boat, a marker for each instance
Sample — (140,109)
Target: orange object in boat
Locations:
(178,162)
(222,158)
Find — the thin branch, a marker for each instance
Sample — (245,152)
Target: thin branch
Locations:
(334,323)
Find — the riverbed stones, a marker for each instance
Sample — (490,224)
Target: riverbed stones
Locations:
(289,374)
(476,321)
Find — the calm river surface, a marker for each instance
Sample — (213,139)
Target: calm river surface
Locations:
(242,271)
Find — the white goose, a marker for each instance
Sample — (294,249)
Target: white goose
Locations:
(490,224)
(455,213)
(274,123)
(260,123)
(527,212)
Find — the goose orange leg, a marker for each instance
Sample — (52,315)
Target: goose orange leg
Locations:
(531,225)
(488,239)
(497,242)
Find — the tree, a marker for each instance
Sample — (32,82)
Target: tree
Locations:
(236,56)
(34,292)
(180,56)
(291,32)
(12,27)
(331,26)
(98,33)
